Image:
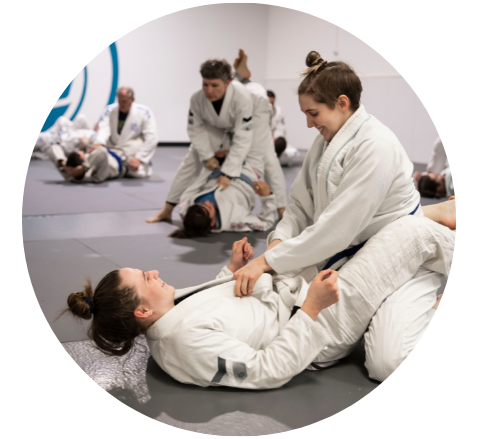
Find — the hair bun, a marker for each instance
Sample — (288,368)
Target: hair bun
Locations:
(78,302)
(313,58)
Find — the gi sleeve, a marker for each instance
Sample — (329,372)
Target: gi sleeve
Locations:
(224,272)
(366,181)
(299,214)
(197,132)
(104,130)
(145,154)
(216,358)
(241,141)
(264,220)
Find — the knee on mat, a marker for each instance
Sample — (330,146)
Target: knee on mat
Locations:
(381,365)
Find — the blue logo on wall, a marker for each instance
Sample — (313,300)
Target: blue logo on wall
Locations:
(57,112)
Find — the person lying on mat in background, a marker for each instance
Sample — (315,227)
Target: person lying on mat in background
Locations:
(437,181)
(207,207)
(208,336)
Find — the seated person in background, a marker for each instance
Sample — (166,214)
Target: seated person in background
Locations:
(205,207)
(437,181)
(70,135)
(128,130)
(207,336)
(80,167)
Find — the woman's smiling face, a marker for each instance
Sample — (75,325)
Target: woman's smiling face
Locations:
(152,291)
(326,120)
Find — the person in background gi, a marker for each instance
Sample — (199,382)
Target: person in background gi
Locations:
(288,155)
(220,130)
(128,132)
(205,208)
(92,167)
(70,135)
(437,181)
(227,124)
(356,179)
(208,336)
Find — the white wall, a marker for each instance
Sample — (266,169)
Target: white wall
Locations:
(161,61)
(290,37)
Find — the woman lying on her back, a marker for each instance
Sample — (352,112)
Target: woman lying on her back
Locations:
(210,336)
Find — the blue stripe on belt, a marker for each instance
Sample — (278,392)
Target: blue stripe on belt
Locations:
(118,159)
(348,252)
(217,173)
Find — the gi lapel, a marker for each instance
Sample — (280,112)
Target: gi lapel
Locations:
(126,131)
(223,119)
(185,292)
(340,140)
(114,125)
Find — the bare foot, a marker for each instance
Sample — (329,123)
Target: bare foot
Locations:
(280,212)
(164,215)
(240,65)
(437,302)
(238,59)
(448,213)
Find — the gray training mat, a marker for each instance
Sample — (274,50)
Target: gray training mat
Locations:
(47,193)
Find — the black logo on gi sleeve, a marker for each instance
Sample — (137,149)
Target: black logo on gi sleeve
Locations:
(239,370)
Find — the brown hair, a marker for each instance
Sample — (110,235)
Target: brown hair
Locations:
(428,188)
(216,69)
(114,327)
(326,81)
(74,159)
(196,224)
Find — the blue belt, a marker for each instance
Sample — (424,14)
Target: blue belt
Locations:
(344,253)
(118,159)
(217,173)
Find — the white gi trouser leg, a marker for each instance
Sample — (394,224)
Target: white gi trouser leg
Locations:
(399,323)
(262,147)
(128,150)
(388,262)
(187,173)
(274,176)
(438,160)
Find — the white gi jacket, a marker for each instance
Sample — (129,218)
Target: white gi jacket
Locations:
(277,123)
(215,338)
(139,124)
(210,132)
(235,204)
(347,190)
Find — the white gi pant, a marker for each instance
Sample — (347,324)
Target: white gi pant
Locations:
(274,176)
(399,323)
(125,152)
